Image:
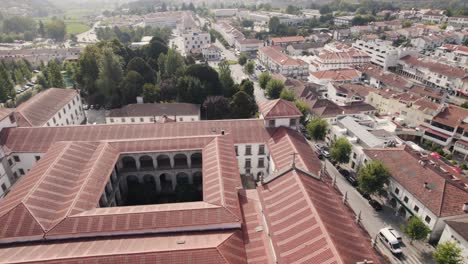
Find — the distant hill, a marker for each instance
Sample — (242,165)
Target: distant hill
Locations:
(35,8)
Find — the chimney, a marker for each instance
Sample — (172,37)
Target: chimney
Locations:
(465,207)
(222,132)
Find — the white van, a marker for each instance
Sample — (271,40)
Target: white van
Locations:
(390,241)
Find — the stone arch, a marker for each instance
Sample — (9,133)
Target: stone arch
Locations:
(260,174)
(197,178)
(132,180)
(180,161)
(393,203)
(196,160)
(164,162)
(165,180)
(402,212)
(146,162)
(148,178)
(182,178)
(128,162)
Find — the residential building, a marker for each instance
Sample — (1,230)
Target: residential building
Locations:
(383,53)
(301,49)
(280,112)
(7,119)
(229,33)
(263,17)
(456,231)
(225,12)
(380,26)
(433,41)
(363,132)
(342,34)
(195,40)
(449,78)
(458,21)
(449,128)
(211,52)
(181,185)
(345,94)
(154,113)
(332,58)
(343,21)
(248,45)
(455,55)
(331,111)
(285,41)
(422,186)
(434,16)
(52,107)
(277,62)
(36,56)
(341,76)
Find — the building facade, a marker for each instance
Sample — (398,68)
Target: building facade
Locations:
(154,113)
(277,62)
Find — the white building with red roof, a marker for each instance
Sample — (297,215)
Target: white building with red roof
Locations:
(154,113)
(176,193)
(456,55)
(423,186)
(278,62)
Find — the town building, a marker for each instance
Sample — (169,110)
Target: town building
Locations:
(7,119)
(36,56)
(52,107)
(301,49)
(449,129)
(456,231)
(345,94)
(176,191)
(338,56)
(195,40)
(455,55)
(225,12)
(154,113)
(285,41)
(229,33)
(433,41)
(343,21)
(277,62)
(363,132)
(263,17)
(422,186)
(341,76)
(434,16)
(449,78)
(383,53)
(248,45)
(458,21)
(211,52)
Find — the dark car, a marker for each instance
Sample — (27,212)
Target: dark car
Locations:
(376,205)
(365,195)
(348,176)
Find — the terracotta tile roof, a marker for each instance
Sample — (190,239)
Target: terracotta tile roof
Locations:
(278,108)
(249,41)
(442,196)
(426,104)
(337,75)
(308,222)
(40,139)
(354,89)
(206,247)
(453,116)
(452,48)
(284,142)
(170,109)
(460,226)
(43,106)
(281,58)
(288,39)
(5,112)
(436,67)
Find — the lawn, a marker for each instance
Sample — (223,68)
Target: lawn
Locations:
(76,28)
(232,62)
(76,20)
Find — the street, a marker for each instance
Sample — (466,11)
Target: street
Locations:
(373,221)
(88,36)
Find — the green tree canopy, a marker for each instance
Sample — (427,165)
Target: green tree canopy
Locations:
(208,76)
(110,77)
(274,88)
(7,88)
(340,150)
(132,87)
(151,93)
(248,87)
(56,29)
(249,68)
(137,64)
(190,90)
(416,229)
(448,252)
(216,107)
(273,24)
(465,104)
(226,80)
(302,106)
(287,94)
(242,59)
(54,74)
(263,79)
(317,128)
(372,177)
(242,105)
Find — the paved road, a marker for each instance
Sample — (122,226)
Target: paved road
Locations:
(373,221)
(89,36)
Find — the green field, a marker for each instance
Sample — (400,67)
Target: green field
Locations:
(75,19)
(76,28)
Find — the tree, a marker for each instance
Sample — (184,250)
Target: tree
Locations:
(88,71)
(54,74)
(317,128)
(132,87)
(416,229)
(151,93)
(302,106)
(287,94)
(263,79)
(248,87)
(340,150)
(227,83)
(465,104)
(208,76)
(372,177)
(190,90)
(7,88)
(274,88)
(155,48)
(406,23)
(273,24)
(448,253)
(137,64)
(19,79)
(216,107)
(56,29)
(41,29)
(242,105)
(249,68)
(110,77)
(242,59)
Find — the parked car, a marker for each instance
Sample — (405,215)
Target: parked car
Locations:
(390,241)
(318,146)
(376,205)
(365,195)
(395,233)
(325,153)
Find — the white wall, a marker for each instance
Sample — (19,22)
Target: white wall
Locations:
(70,115)
(254,157)
(149,119)
(451,235)
(7,122)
